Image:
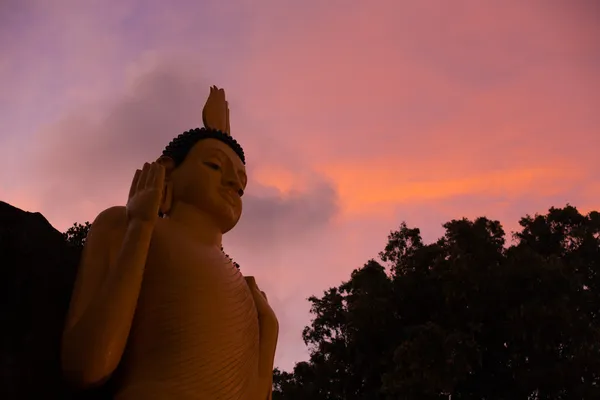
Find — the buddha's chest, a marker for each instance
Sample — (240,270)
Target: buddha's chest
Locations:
(195,309)
(184,284)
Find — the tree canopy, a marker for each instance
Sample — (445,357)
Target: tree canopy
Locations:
(469,316)
(76,234)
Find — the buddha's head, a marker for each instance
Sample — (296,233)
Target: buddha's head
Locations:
(205,169)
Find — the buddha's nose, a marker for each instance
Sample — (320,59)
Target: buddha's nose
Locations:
(232,181)
(234,184)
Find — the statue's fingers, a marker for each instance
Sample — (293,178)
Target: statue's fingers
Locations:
(150,176)
(141,183)
(250,281)
(134,182)
(159,176)
(259,297)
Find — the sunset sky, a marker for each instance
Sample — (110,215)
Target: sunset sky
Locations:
(354,115)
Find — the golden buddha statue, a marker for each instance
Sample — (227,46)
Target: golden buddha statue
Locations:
(155,295)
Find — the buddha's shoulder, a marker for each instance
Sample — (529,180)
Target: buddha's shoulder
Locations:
(113,218)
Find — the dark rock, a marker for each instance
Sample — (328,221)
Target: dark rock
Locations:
(37,271)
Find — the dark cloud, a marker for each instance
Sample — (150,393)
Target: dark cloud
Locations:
(159,105)
(90,155)
(274,217)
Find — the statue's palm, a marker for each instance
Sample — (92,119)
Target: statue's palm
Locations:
(145,194)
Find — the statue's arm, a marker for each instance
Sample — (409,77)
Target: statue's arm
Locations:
(104,297)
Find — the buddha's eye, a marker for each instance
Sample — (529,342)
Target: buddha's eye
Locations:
(214,166)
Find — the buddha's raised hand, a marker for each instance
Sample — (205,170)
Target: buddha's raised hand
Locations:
(145,194)
(215,114)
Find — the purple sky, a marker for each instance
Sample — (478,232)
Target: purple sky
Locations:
(354,116)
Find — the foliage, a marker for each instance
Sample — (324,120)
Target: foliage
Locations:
(467,316)
(77,234)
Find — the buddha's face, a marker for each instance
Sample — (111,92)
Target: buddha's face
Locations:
(212,178)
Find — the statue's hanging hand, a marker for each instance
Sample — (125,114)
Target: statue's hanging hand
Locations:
(215,114)
(269,332)
(266,315)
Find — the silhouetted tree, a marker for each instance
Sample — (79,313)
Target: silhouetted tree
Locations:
(77,234)
(467,316)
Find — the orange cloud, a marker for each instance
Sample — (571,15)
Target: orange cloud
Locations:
(279,177)
(364,188)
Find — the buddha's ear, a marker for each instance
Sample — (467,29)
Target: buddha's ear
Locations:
(168,164)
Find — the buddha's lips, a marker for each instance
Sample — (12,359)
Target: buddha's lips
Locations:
(228,196)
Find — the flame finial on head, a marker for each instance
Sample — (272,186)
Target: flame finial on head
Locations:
(215,114)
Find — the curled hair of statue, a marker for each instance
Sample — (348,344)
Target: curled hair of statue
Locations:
(178,148)
(181,145)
